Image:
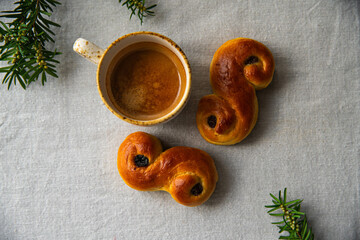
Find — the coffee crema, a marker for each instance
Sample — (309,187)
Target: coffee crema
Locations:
(147,81)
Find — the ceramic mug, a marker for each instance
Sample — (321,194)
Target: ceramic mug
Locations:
(107,59)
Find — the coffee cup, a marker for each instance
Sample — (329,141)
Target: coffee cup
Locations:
(144,78)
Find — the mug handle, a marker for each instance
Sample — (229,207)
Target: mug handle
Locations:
(88,50)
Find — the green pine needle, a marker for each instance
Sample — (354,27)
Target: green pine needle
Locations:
(137,7)
(24,39)
(293,220)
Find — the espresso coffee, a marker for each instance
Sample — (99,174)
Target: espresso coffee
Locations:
(147,81)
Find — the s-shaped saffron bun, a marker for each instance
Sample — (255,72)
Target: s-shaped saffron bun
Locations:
(238,68)
(188,174)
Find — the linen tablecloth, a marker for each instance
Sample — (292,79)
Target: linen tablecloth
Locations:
(58,143)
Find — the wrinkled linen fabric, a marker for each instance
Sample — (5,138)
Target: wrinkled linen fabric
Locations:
(58,143)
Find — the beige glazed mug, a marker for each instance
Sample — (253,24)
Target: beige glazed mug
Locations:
(144,78)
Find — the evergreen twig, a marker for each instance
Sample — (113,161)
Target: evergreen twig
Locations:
(139,6)
(294,221)
(24,42)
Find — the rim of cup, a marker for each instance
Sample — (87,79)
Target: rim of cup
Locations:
(175,49)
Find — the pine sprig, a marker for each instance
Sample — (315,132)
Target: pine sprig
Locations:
(24,43)
(137,7)
(294,221)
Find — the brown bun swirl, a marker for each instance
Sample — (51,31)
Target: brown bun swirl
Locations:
(238,68)
(188,174)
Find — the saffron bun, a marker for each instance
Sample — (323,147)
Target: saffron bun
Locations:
(238,68)
(188,174)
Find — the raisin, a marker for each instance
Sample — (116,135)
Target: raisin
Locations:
(251,60)
(141,161)
(211,121)
(197,189)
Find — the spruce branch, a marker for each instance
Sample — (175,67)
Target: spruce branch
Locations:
(24,40)
(293,220)
(139,6)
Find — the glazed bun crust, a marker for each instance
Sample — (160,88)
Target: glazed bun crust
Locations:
(238,68)
(188,174)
